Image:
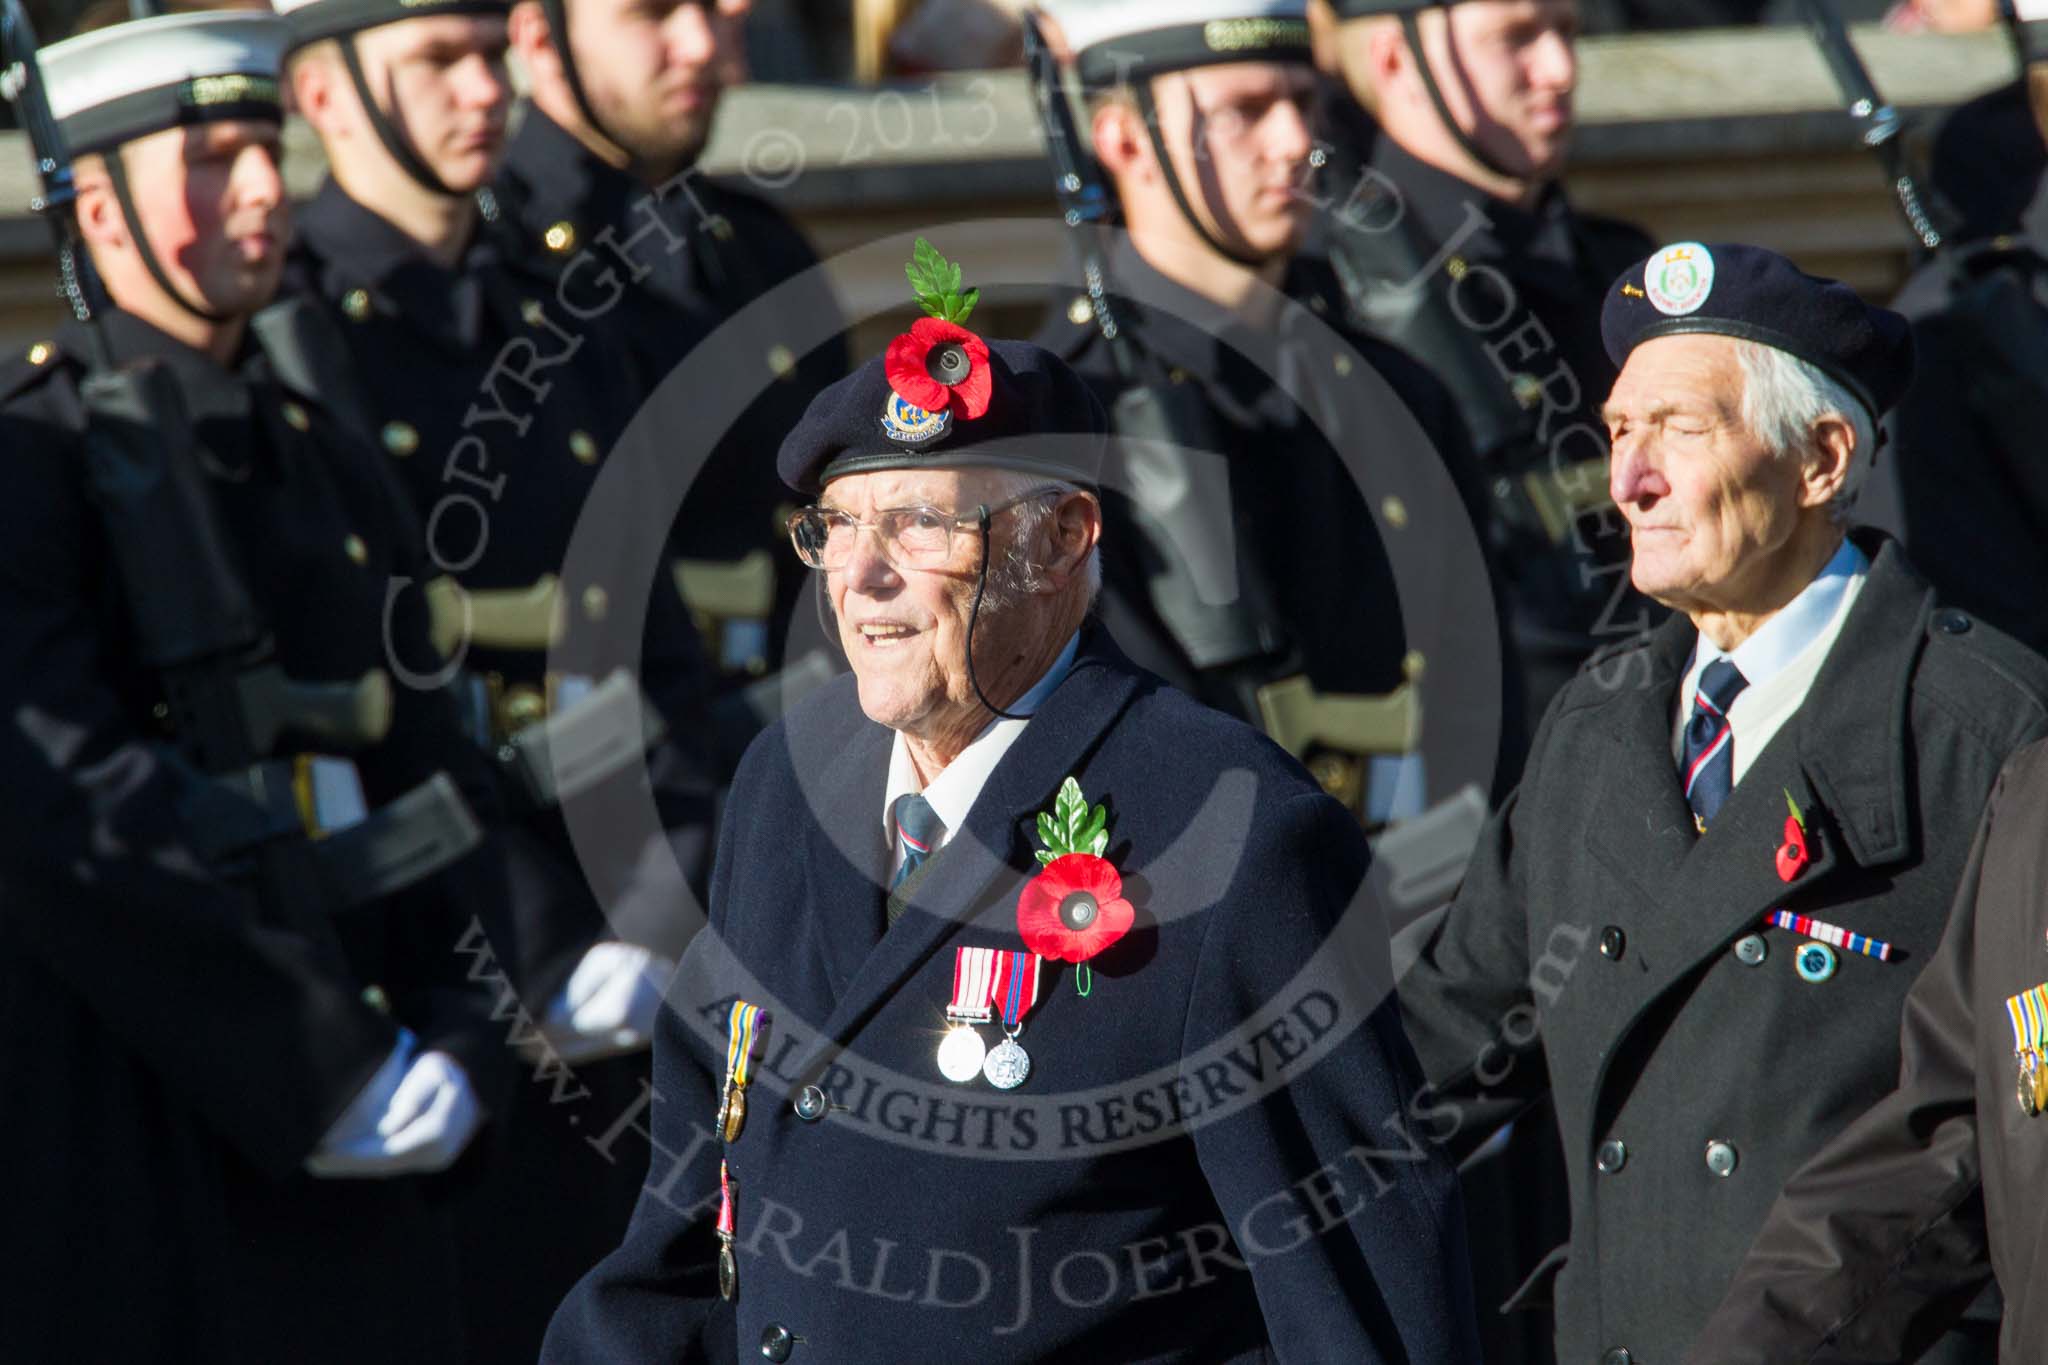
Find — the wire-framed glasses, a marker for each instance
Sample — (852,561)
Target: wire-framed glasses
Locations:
(919,537)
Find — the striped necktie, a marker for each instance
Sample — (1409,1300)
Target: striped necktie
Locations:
(1707,763)
(917,832)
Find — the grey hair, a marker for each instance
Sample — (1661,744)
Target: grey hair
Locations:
(1015,572)
(1784,396)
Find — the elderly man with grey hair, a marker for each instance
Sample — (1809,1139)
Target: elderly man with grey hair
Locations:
(1738,835)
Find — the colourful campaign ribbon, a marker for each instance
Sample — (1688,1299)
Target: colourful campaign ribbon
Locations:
(739,1041)
(974,983)
(724,1203)
(1831,934)
(2028,1013)
(1016,988)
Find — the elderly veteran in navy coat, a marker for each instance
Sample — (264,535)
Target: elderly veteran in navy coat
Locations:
(1737,839)
(1074,1031)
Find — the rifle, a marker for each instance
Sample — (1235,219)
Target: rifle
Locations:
(1928,220)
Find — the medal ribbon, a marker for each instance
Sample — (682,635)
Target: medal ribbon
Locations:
(724,1203)
(1832,934)
(2028,1013)
(739,1041)
(1016,985)
(974,980)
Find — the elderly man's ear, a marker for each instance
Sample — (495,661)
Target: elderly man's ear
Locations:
(1070,533)
(1827,464)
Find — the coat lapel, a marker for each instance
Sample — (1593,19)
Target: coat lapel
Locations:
(974,875)
(847,855)
(1650,835)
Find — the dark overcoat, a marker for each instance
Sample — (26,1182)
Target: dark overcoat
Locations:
(1692,1067)
(1220,1099)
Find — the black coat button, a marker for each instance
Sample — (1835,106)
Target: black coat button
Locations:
(1952,622)
(776,1342)
(810,1104)
(1618,1356)
(1613,943)
(1611,1156)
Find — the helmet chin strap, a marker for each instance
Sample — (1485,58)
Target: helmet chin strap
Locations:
(557,12)
(395,142)
(1148,110)
(117,173)
(1413,30)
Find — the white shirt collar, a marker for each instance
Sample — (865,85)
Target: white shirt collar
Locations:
(953,791)
(1796,625)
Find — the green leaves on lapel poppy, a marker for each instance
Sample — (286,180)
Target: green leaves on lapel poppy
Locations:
(1072,826)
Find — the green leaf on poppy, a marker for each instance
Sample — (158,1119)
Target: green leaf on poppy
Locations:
(966,301)
(1047,834)
(950,305)
(935,304)
(1797,818)
(1046,855)
(1100,843)
(935,281)
(953,282)
(1090,832)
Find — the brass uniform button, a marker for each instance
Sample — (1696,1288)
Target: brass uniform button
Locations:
(1527,388)
(355,305)
(1080,310)
(560,237)
(720,228)
(531,311)
(1342,363)
(355,549)
(1456,267)
(595,602)
(781,361)
(400,438)
(1317,303)
(40,353)
(1395,511)
(583,447)
(295,417)
(1412,664)
(1177,375)
(376,999)
(519,707)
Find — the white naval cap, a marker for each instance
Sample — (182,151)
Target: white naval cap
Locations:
(310,21)
(1115,41)
(144,76)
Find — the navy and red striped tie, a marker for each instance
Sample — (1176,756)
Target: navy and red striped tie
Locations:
(1707,764)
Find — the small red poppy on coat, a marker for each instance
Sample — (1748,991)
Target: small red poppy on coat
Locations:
(1073,909)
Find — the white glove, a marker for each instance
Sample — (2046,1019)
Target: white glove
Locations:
(414,1117)
(610,1004)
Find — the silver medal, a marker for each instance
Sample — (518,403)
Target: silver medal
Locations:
(960,1054)
(1007,1065)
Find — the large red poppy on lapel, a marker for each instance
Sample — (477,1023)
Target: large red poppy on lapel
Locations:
(1073,909)
(1792,854)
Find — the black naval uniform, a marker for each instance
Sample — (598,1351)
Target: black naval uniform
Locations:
(1692,1068)
(716,251)
(1964,447)
(1568,586)
(174,1049)
(1334,606)
(424,340)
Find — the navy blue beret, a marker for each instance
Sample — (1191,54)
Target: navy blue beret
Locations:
(1757,295)
(1041,418)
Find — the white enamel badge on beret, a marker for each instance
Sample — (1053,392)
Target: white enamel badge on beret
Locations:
(1679,278)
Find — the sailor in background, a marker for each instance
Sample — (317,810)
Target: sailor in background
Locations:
(243,886)
(497,412)
(603,176)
